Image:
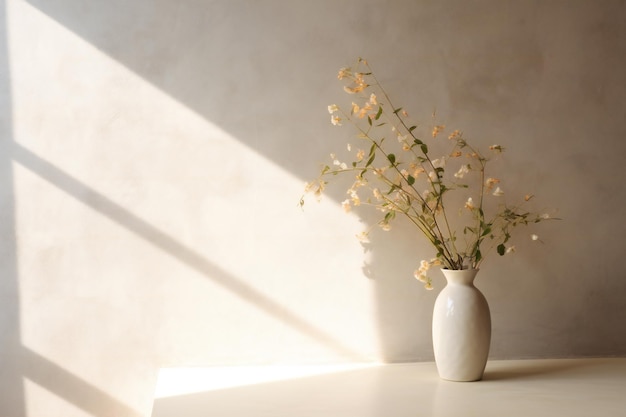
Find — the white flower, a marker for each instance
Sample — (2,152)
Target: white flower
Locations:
(349,147)
(491,182)
(462,171)
(335,120)
(469,204)
(439,162)
(510,249)
(332,108)
(498,192)
(354,196)
(545,216)
(419,276)
(341,165)
(385,226)
(534,237)
(345,204)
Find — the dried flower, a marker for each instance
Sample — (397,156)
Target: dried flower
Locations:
(437,129)
(462,171)
(455,134)
(490,182)
(395,185)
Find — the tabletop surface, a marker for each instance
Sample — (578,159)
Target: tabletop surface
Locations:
(544,387)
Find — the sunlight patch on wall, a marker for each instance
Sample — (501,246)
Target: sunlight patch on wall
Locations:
(138,214)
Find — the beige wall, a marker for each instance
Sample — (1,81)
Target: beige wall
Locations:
(153,153)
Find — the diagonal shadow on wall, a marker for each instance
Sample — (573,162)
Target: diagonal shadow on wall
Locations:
(171,246)
(70,387)
(198,51)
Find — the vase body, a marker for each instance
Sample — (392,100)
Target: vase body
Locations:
(461,328)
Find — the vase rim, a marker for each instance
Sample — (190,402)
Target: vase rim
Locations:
(464,269)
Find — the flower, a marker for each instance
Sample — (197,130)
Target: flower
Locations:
(437,129)
(462,171)
(343,73)
(491,182)
(402,178)
(498,192)
(439,162)
(455,134)
(377,194)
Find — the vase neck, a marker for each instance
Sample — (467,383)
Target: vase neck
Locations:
(460,276)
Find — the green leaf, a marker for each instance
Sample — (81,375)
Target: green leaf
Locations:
(380,112)
(410,179)
(424,148)
(396,111)
(392,158)
(486,231)
(501,249)
(412,128)
(372,155)
(417,141)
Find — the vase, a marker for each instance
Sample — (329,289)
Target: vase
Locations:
(461,328)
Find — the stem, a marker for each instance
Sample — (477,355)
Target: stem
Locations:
(454,254)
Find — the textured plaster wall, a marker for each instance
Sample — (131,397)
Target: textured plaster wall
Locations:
(153,154)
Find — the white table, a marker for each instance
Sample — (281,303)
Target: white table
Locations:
(547,387)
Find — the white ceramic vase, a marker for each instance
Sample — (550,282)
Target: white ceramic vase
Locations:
(461,328)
